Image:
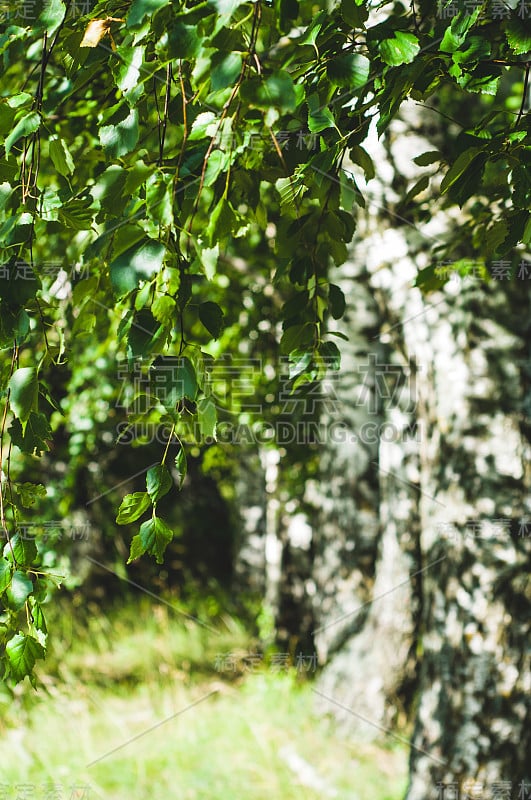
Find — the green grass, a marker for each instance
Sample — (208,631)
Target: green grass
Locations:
(134,708)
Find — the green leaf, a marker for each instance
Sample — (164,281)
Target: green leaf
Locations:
(22,652)
(208,257)
(84,323)
(182,465)
(430,157)
(457,31)
(19,590)
(14,325)
(51,16)
(297,337)
(211,317)
(522,185)
(518,33)
(137,549)
(217,163)
(401,49)
(349,70)
(24,392)
(459,166)
(172,280)
(276,91)
(85,288)
(337,302)
(18,282)
(24,127)
(61,156)
(158,199)
(29,493)
(7,117)
(295,305)
(361,157)
(183,41)
(428,280)
(41,588)
(173,379)
(136,175)
(354,13)
(164,309)
(222,222)
(290,189)
(495,236)
(77,214)
(154,537)
(32,440)
(484,79)
(477,47)
(142,260)
(203,126)
(38,618)
(132,507)
(420,186)
(226,67)
(158,482)
(119,139)
(526,235)
(143,296)
(207,416)
(125,238)
(141,8)
(6,190)
(319,118)
(146,335)
(330,354)
(109,189)
(20,99)
(339,335)
(128,71)
(22,550)
(5,574)
(299,361)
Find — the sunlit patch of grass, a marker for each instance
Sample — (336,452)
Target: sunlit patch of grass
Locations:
(135,647)
(138,642)
(137,710)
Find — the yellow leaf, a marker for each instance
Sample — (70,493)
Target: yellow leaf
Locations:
(96,30)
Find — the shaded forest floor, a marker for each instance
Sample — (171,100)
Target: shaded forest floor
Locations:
(138,705)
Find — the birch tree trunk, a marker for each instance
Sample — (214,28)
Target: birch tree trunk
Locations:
(472,727)
(446,505)
(365,628)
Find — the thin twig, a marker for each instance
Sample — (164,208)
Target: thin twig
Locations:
(524,94)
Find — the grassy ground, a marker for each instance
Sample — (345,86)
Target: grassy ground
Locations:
(138,708)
